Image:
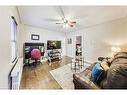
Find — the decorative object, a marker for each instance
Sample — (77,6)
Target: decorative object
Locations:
(69,41)
(34,37)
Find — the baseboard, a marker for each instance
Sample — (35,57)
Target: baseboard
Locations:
(89,62)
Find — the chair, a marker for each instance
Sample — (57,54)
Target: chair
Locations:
(81,61)
(35,55)
(75,64)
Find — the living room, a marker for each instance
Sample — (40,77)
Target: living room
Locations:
(75,36)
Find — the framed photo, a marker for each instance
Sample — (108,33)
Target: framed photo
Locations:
(69,41)
(34,37)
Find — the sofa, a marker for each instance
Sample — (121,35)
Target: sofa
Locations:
(114,78)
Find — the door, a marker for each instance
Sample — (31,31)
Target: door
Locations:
(78,45)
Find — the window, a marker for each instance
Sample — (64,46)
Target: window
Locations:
(13,39)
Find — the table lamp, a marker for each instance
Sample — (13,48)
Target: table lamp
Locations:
(115,49)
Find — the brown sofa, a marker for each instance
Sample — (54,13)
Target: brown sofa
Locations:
(115,78)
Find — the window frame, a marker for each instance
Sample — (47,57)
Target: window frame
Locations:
(14,39)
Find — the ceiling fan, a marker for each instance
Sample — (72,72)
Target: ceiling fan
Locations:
(65,22)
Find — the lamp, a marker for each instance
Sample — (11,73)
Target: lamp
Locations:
(116,49)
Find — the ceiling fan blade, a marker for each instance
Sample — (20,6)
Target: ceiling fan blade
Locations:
(73,22)
(62,12)
(51,20)
(59,23)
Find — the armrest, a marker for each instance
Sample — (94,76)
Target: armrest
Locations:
(84,82)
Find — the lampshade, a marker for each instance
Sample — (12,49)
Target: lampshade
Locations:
(116,49)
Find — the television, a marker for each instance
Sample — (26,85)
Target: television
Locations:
(53,44)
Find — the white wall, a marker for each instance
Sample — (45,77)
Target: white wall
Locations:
(44,36)
(99,39)
(5,43)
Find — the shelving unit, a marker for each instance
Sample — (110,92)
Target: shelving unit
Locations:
(28,47)
(54,54)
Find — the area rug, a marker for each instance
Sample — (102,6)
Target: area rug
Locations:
(64,75)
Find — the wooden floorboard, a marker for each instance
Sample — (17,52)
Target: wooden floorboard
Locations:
(39,77)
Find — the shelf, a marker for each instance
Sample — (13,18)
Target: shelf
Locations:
(54,54)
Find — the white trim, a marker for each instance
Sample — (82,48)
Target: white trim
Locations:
(16,74)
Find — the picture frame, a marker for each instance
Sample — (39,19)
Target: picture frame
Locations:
(69,41)
(34,37)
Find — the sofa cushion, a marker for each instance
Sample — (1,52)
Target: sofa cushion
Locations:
(120,54)
(105,65)
(119,60)
(117,77)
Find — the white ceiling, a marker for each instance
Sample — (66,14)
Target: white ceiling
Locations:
(85,16)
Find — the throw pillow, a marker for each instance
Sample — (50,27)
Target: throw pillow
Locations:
(104,65)
(97,72)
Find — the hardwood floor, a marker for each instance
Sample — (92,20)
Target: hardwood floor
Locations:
(39,77)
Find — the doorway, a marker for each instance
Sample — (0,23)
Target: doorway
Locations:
(78,46)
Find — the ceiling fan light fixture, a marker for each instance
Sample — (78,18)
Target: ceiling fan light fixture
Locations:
(64,20)
(65,25)
(71,25)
